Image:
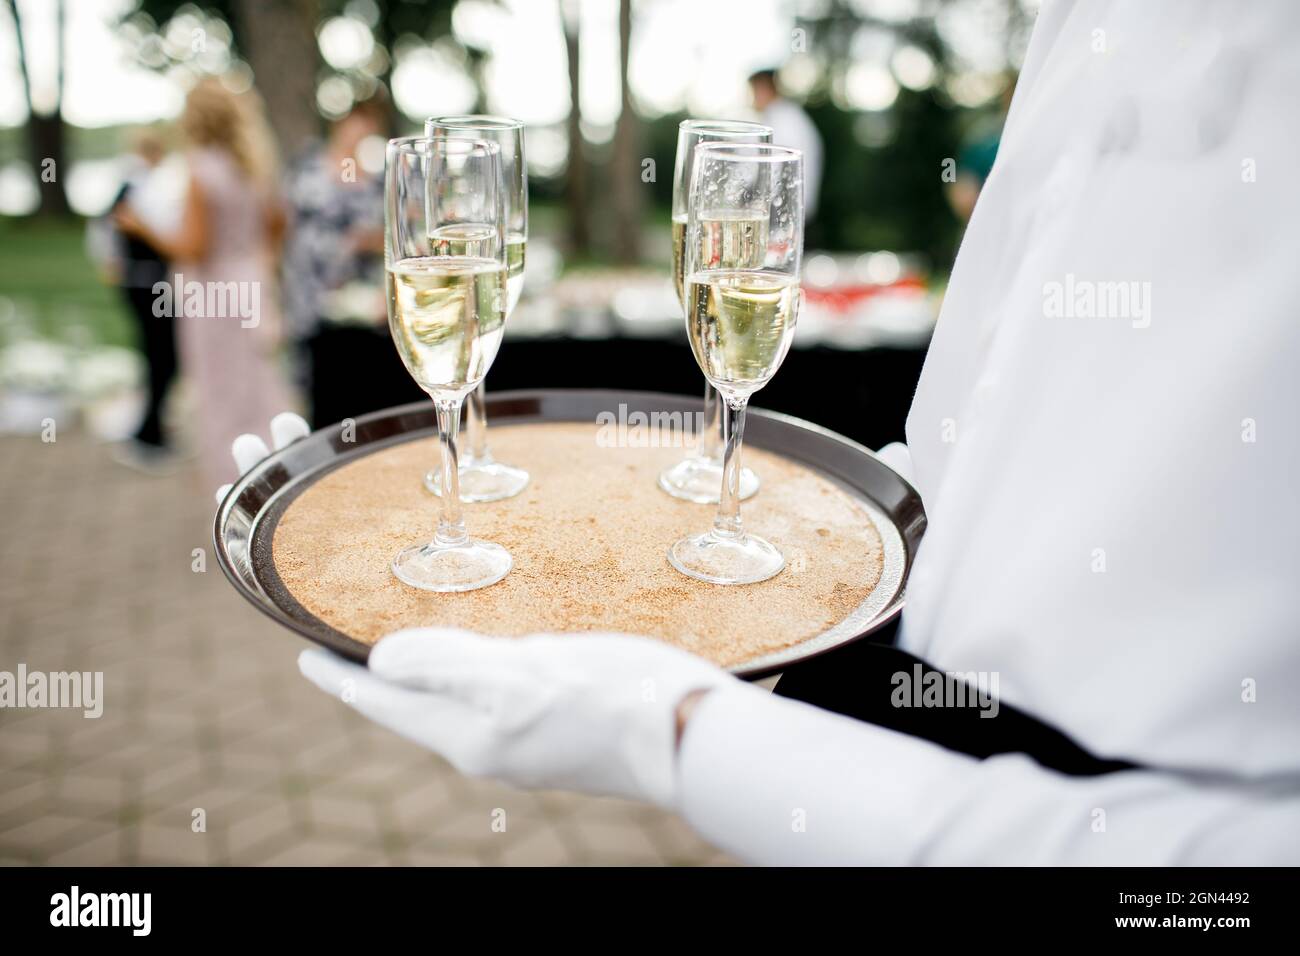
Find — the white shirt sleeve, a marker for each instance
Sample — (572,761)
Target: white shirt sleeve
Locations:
(775,781)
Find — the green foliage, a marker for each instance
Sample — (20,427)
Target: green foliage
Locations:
(881,186)
(424,18)
(888,195)
(883,196)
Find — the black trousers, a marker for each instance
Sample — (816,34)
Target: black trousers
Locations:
(157,338)
(861,681)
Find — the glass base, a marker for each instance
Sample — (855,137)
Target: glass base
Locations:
(482,480)
(699,480)
(723,559)
(459,567)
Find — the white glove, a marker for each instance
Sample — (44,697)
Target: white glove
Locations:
(589,712)
(898,457)
(248,450)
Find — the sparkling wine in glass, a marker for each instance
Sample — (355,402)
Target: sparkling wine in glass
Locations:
(698,476)
(447,302)
(740,319)
(482,477)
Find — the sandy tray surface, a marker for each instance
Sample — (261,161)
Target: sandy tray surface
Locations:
(588,536)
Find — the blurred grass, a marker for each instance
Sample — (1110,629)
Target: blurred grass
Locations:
(54,287)
(48,284)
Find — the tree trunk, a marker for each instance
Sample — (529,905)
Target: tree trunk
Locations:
(279,39)
(627,185)
(575,183)
(45,139)
(46,142)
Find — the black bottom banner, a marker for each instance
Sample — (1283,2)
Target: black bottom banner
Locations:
(336,906)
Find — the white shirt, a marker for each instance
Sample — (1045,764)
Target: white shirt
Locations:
(1114,527)
(791,127)
(157,194)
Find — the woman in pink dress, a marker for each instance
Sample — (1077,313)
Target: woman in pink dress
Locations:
(222,290)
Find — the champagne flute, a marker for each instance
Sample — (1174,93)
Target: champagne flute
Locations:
(482,478)
(698,476)
(740,321)
(447,314)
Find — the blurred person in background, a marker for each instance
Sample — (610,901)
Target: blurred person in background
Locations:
(792,127)
(148,195)
(229,228)
(335,312)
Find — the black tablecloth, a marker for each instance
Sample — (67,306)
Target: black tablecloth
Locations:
(862,395)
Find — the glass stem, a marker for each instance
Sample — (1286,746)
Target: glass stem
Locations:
(451,524)
(710,446)
(476,423)
(727,523)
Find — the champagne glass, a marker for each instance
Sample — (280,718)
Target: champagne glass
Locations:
(740,320)
(447,314)
(482,478)
(698,476)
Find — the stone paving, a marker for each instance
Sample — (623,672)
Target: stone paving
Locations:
(206,719)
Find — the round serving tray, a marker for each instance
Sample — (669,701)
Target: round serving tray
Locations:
(247,517)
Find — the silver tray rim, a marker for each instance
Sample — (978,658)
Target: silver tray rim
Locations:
(246,518)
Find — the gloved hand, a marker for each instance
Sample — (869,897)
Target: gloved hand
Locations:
(898,457)
(592,712)
(589,712)
(248,450)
